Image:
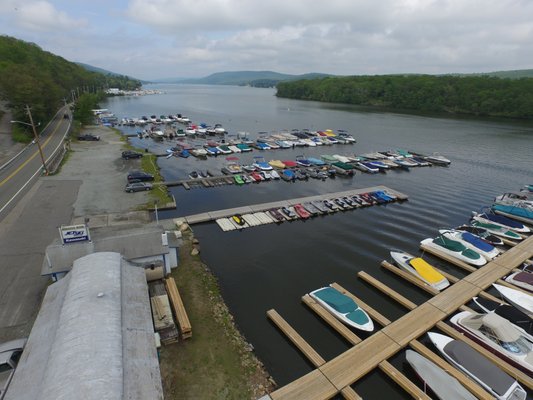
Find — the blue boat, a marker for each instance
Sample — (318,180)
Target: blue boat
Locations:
(288,175)
(502,220)
(316,161)
(514,205)
(184,153)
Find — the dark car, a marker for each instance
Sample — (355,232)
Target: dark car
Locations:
(137,187)
(139,176)
(89,137)
(126,155)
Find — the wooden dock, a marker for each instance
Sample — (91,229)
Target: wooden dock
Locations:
(335,376)
(257,208)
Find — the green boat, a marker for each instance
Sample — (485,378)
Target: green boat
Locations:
(343,308)
(497,230)
(329,159)
(238,180)
(455,249)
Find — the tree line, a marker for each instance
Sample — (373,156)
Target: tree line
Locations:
(31,76)
(476,95)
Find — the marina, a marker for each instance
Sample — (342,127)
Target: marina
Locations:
(334,376)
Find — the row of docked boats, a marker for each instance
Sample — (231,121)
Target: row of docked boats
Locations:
(306,210)
(518,205)
(503,329)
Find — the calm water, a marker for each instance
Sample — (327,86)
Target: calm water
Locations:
(274,266)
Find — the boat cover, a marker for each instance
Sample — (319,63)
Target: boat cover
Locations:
(277,163)
(443,385)
(479,366)
(501,328)
(454,245)
(476,241)
(425,270)
(336,300)
(510,313)
(519,210)
(501,219)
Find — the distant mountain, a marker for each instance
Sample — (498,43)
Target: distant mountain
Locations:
(245,78)
(92,68)
(513,74)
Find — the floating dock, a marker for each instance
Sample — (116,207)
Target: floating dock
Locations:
(337,375)
(255,214)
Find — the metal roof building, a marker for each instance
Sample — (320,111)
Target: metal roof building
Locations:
(93,337)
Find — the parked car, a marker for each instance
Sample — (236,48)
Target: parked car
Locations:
(138,187)
(89,137)
(127,154)
(139,176)
(10,353)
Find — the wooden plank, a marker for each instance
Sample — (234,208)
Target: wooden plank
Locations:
(357,361)
(341,329)
(295,338)
(447,258)
(374,314)
(312,386)
(520,376)
(179,309)
(410,278)
(469,384)
(404,301)
(349,394)
(403,381)
(161,312)
(454,296)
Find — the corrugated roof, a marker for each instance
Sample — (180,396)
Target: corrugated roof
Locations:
(93,337)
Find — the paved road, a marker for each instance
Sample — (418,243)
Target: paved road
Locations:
(18,176)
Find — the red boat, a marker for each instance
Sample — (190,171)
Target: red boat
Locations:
(289,163)
(301,211)
(256,177)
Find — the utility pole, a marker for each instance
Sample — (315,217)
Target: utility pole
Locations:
(37,140)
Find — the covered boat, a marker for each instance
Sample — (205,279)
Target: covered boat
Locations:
(510,313)
(344,308)
(455,249)
(497,230)
(420,269)
(514,206)
(482,233)
(445,386)
(277,164)
(498,335)
(472,242)
(478,367)
(489,217)
(521,279)
(519,299)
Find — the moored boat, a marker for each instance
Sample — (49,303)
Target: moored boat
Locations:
(497,230)
(455,249)
(420,269)
(510,313)
(519,299)
(521,279)
(301,211)
(482,233)
(501,220)
(441,383)
(472,242)
(343,307)
(478,367)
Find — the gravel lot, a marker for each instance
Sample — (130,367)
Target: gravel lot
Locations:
(103,172)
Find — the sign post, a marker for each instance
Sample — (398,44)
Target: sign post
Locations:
(74,233)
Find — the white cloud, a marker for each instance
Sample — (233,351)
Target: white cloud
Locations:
(41,16)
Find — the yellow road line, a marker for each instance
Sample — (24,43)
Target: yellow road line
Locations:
(31,158)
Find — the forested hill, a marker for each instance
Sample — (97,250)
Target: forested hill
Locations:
(249,78)
(475,95)
(34,77)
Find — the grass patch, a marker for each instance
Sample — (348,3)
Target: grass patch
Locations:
(159,192)
(216,363)
(21,134)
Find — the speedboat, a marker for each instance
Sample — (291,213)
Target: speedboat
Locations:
(445,386)
(321,207)
(301,211)
(438,159)
(482,233)
(289,163)
(472,242)
(288,175)
(277,164)
(521,279)
(224,149)
(519,299)
(497,230)
(499,336)
(288,213)
(256,176)
(194,175)
(274,174)
(455,249)
(512,205)
(341,158)
(212,151)
(367,167)
(510,313)
(478,367)
(420,269)
(274,213)
(234,148)
(311,209)
(261,164)
(328,159)
(304,162)
(231,168)
(243,147)
(502,220)
(316,161)
(238,179)
(237,218)
(343,307)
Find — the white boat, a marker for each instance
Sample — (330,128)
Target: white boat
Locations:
(343,159)
(499,336)
(472,242)
(455,249)
(445,386)
(501,220)
(420,269)
(519,299)
(199,152)
(436,158)
(274,174)
(497,230)
(234,148)
(343,308)
(521,279)
(478,367)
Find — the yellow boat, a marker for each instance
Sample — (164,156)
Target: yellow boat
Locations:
(277,164)
(421,269)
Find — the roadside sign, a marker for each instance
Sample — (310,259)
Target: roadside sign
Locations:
(74,233)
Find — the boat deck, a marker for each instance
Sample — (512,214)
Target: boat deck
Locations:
(335,376)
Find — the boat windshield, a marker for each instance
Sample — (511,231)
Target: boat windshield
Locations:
(519,346)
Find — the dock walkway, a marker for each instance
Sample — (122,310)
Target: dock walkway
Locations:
(227,213)
(334,376)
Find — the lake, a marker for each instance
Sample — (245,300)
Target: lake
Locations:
(273,266)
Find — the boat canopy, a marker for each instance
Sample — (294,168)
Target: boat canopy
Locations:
(502,329)
(426,271)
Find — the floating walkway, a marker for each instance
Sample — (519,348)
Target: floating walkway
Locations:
(337,375)
(255,215)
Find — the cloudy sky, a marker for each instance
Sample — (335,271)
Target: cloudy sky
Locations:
(151,39)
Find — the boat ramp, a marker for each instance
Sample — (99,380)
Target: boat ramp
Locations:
(255,215)
(336,376)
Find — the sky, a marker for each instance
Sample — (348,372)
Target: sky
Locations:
(152,39)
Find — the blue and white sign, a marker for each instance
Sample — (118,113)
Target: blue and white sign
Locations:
(74,233)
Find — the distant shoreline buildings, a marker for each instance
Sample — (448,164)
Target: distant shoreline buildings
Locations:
(137,92)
